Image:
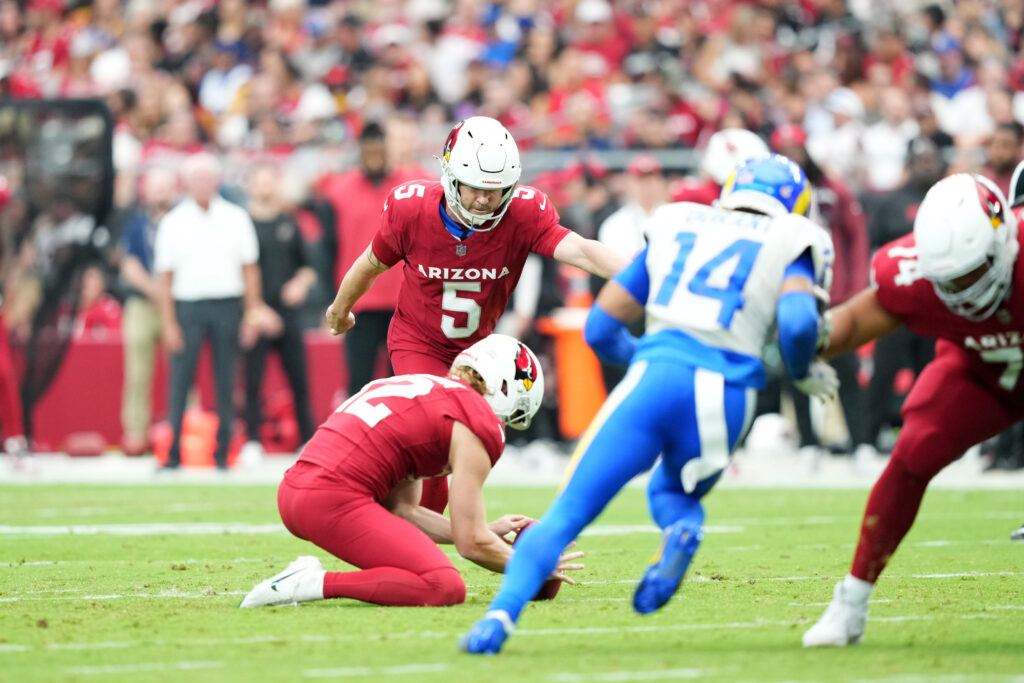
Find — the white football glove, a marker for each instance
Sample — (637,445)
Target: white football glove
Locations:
(821,381)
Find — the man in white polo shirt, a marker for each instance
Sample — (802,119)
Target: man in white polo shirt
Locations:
(205,258)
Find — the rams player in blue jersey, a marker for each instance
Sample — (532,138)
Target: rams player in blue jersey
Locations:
(714,283)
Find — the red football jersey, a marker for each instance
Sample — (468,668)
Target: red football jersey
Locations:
(401,428)
(454,291)
(993,346)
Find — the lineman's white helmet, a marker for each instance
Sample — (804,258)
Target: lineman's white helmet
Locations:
(512,374)
(966,240)
(727,149)
(481,153)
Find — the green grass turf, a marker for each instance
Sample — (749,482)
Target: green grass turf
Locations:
(157,607)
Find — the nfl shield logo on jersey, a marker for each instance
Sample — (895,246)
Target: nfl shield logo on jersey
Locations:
(460,250)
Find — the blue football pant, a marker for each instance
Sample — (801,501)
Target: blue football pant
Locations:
(660,407)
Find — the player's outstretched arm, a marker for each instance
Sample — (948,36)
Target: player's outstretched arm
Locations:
(858,321)
(590,255)
(620,302)
(357,281)
(404,502)
(473,538)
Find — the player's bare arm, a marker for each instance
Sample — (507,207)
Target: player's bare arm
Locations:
(404,502)
(616,301)
(858,321)
(473,538)
(357,281)
(590,255)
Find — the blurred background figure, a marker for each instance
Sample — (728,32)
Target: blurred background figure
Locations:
(99,313)
(1003,151)
(892,218)
(206,261)
(12,420)
(726,150)
(623,231)
(286,279)
(357,197)
(140,323)
(835,208)
(646,190)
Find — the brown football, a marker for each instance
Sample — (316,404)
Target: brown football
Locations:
(550,588)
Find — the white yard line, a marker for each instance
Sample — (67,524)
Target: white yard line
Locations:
(161,529)
(211,593)
(406,670)
(143,667)
(438,635)
(119,596)
(625,676)
(142,563)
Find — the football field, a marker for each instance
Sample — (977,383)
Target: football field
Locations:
(142,583)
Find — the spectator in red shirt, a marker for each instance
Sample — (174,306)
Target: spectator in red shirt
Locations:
(356,197)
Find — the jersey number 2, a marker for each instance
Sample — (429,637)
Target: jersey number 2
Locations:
(743,251)
(411,386)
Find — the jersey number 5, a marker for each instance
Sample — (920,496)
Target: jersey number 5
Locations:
(451,301)
(744,252)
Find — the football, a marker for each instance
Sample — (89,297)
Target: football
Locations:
(550,588)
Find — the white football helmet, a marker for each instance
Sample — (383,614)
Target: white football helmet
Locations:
(966,240)
(727,149)
(512,374)
(481,153)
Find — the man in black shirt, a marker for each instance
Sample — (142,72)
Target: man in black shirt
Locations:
(893,218)
(287,279)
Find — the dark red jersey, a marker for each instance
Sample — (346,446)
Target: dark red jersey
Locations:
(401,428)
(993,346)
(454,290)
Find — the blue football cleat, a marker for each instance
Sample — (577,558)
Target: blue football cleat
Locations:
(659,583)
(489,634)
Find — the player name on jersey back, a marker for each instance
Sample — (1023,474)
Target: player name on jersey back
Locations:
(716,274)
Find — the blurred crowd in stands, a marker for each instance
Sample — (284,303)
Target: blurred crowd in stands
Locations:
(881,97)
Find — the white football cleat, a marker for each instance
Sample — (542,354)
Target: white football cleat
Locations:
(1018,535)
(842,623)
(302,581)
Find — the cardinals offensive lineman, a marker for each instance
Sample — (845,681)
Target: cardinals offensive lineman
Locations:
(958,279)
(355,489)
(464,240)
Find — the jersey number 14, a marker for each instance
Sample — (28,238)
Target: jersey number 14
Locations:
(743,252)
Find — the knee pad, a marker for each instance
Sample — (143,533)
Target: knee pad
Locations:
(447,587)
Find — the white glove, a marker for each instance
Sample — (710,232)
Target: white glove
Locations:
(821,381)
